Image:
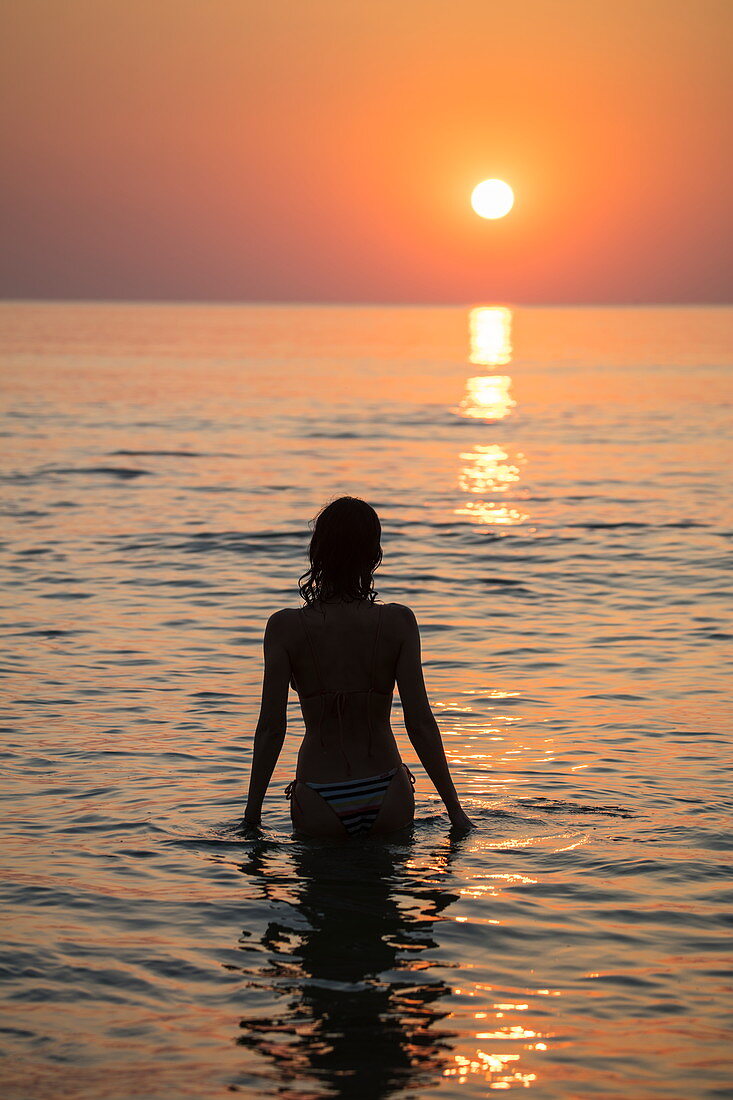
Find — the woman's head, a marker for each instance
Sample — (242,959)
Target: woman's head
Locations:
(344,552)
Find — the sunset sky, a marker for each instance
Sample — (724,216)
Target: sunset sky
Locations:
(326,150)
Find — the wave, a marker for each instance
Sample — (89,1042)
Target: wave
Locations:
(174,454)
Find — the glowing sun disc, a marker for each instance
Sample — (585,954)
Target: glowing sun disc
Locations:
(492,198)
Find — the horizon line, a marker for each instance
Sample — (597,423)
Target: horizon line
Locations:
(368,303)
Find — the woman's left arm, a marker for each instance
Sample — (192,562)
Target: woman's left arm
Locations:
(273,719)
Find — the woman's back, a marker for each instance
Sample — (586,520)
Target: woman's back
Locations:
(344,658)
(345,647)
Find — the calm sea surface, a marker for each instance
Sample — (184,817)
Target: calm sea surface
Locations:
(554,490)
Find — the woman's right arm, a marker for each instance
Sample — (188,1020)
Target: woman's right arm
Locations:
(272,722)
(422,729)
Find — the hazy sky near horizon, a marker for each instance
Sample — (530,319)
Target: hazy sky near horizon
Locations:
(325,150)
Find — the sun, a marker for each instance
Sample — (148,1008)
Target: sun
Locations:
(492,198)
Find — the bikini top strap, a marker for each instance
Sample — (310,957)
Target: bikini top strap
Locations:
(374,650)
(301,612)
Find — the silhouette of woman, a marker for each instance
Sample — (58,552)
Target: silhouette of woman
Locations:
(342,653)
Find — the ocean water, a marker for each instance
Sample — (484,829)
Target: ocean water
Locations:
(554,491)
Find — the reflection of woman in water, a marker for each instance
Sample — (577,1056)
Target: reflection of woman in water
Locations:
(348,1004)
(343,653)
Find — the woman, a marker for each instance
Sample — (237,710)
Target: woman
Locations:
(343,653)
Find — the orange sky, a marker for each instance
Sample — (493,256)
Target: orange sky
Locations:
(325,150)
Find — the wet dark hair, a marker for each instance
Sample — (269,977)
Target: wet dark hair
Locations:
(344,552)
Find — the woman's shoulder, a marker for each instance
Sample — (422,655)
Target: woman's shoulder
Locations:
(396,608)
(282,621)
(401,615)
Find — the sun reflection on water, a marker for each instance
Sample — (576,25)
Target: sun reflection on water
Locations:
(500,1070)
(488,469)
(482,511)
(487,397)
(490,330)
(493,885)
(491,1066)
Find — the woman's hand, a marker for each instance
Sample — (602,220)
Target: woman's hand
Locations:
(459,819)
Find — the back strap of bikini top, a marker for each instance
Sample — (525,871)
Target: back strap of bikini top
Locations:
(373,668)
(372,688)
(301,612)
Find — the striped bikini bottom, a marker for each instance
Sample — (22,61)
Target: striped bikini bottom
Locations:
(356,802)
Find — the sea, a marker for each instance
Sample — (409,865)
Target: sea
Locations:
(554,490)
